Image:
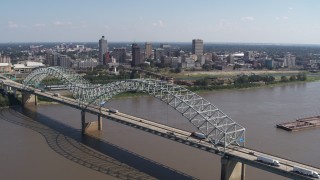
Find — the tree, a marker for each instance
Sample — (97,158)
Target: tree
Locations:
(301,77)
(241,79)
(268,79)
(176,70)
(292,78)
(134,74)
(254,78)
(144,66)
(207,67)
(202,82)
(284,79)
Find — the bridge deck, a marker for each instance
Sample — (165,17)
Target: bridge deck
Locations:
(241,154)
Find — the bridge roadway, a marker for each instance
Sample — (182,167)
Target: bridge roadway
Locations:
(240,154)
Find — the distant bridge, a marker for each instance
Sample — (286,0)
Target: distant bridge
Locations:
(224,136)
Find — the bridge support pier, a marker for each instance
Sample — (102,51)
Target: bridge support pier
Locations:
(15,92)
(87,127)
(83,121)
(99,122)
(6,89)
(28,98)
(232,170)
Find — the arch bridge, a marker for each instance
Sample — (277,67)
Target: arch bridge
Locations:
(219,128)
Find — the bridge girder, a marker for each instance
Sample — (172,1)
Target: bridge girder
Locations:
(219,128)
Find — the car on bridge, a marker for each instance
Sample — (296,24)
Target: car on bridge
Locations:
(113,110)
(198,135)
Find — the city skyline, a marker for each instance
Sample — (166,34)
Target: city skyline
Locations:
(285,22)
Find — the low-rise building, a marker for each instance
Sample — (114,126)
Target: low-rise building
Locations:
(188,63)
(5,67)
(87,63)
(27,66)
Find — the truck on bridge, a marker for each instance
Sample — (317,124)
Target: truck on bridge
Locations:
(307,172)
(268,160)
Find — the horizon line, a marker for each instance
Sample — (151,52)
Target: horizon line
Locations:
(185,42)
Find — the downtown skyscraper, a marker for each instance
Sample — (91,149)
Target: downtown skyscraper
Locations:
(136,59)
(197,47)
(148,50)
(103,48)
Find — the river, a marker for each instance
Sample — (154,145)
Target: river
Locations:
(48,145)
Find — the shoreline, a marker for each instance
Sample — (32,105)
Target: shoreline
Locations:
(140,94)
(197,74)
(206,90)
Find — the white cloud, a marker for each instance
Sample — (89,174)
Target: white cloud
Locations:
(282,18)
(290,8)
(159,23)
(12,24)
(61,23)
(247,18)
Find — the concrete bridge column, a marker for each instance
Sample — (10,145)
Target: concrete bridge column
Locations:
(99,122)
(6,89)
(28,98)
(89,127)
(232,170)
(83,121)
(15,92)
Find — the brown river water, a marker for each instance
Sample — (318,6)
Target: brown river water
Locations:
(45,142)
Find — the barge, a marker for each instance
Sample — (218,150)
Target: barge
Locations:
(301,124)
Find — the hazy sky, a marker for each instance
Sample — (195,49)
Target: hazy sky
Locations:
(252,21)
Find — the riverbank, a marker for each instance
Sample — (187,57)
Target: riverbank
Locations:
(201,74)
(205,89)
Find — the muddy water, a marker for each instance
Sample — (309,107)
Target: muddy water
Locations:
(55,148)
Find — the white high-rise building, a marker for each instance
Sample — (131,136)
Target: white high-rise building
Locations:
(290,61)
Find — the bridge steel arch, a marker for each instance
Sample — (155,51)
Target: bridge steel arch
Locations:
(219,128)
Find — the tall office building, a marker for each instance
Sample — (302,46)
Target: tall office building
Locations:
(158,53)
(103,48)
(65,61)
(136,60)
(249,55)
(166,49)
(53,59)
(197,46)
(119,54)
(289,61)
(107,58)
(148,50)
(230,59)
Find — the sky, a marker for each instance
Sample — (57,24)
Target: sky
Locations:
(216,21)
